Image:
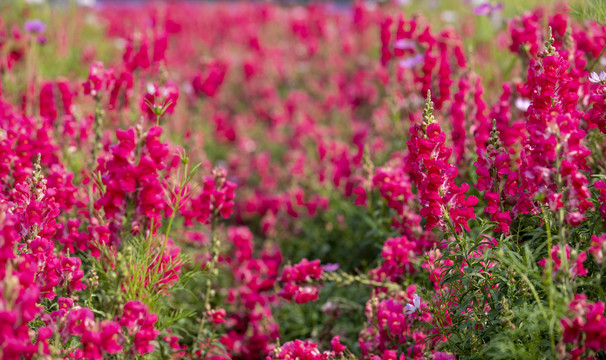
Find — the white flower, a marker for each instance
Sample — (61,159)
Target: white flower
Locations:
(448,16)
(404,44)
(151,88)
(595,78)
(414,307)
(522,104)
(402,2)
(89,3)
(120,43)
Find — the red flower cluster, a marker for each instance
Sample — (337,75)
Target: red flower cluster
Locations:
(389,324)
(399,255)
(159,98)
(586,328)
(597,247)
(576,267)
(308,119)
(127,180)
(297,281)
(555,148)
(251,328)
(394,186)
(98,80)
(307,350)
(215,200)
(499,181)
(140,325)
(135,328)
(208,82)
(443,202)
(601,187)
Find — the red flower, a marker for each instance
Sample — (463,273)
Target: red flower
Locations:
(217,316)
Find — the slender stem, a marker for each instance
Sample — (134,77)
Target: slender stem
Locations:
(214,253)
(98,122)
(549,279)
(535,294)
(345,279)
(173,215)
(31,79)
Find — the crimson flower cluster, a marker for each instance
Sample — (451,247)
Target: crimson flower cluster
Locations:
(394,186)
(133,331)
(555,148)
(389,324)
(215,200)
(297,281)
(597,247)
(576,266)
(126,180)
(159,97)
(208,81)
(399,255)
(496,177)
(307,350)
(585,328)
(251,328)
(442,201)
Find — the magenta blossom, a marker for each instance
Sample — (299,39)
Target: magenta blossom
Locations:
(35,26)
(487,9)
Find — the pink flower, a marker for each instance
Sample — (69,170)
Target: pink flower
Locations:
(80,321)
(337,347)
(576,266)
(140,324)
(493,199)
(208,82)
(159,97)
(503,220)
(598,247)
(601,186)
(98,79)
(361,195)
(217,316)
(110,337)
(133,312)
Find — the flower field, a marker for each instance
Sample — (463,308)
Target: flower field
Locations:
(321,181)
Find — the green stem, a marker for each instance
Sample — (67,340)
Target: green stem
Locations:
(549,280)
(172,216)
(346,279)
(214,253)
(98,122)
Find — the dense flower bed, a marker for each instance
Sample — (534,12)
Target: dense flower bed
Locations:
(254,181)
